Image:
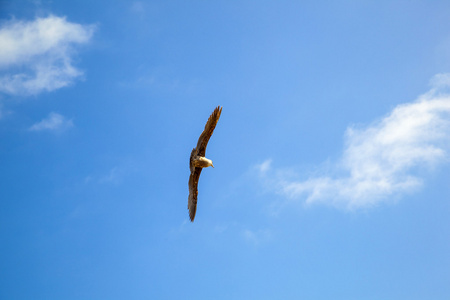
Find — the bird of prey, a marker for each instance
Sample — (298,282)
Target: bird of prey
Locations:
(198,161)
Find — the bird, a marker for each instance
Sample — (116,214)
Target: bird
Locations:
(198,161)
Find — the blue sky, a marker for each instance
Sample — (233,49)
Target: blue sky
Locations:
(331,157)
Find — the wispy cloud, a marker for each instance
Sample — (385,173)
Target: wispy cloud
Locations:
(138,8)
(387,158)
(256,237)
(36,56)
(54,122)
(114,176)
(2,112)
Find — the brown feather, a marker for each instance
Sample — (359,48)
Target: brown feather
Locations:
(208,131)
(200,151)
(193,192)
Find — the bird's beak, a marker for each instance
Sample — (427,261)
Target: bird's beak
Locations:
(212,165)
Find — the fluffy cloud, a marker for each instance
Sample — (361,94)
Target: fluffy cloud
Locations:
(54,122)
(36,56)
(387,158)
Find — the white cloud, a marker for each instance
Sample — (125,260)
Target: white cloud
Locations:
(54,122)
(257,237)
(2,113)
(385,159)
(36,56)
(114,176)
(264,166)
(138,8)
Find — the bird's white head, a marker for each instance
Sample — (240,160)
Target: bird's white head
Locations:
(206,162)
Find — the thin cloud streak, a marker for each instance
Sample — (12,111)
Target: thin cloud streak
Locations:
(256,237)
(54,122)
(36,56)
(388,158)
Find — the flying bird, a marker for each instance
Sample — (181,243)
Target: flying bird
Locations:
(198,161)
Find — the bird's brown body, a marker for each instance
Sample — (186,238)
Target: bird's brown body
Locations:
(198,161)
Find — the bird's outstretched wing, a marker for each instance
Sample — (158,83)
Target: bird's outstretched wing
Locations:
(193,192)
(208,131)
(200,151)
